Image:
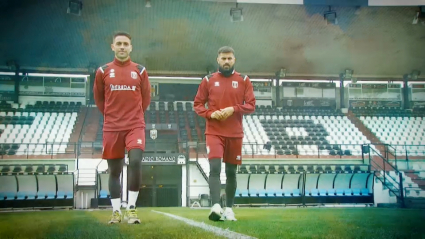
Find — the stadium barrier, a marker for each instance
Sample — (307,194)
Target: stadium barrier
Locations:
(54,150)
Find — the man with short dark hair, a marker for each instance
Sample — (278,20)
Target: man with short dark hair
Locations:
(229,96)
(122,94)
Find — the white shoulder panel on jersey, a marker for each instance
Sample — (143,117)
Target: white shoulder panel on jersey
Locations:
(100,68)
(143,70)
(244,79)
(206,78)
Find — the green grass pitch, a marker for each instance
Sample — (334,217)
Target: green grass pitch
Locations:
(254,222)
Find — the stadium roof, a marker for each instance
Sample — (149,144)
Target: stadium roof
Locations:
(177,37)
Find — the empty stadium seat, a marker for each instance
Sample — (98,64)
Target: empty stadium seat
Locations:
(304,135)
(103,185)
(391,126)
(38,124)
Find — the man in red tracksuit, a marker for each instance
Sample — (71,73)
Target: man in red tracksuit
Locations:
(229,96)
(122,94)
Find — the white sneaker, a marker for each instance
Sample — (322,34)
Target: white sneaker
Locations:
(229,215)
(216,213)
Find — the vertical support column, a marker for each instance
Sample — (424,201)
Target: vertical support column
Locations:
(187,152)
(341,93)
(406,93)
(16,80)
(277,92)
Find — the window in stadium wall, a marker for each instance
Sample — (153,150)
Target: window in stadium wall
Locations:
(177,92)
(394,94)
(53,85)
(329,93)
(7,83)
(7,87)
(418,94)
(355,93)
(299,92)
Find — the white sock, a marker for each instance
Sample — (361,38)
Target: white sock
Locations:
(116,204)
(132,198)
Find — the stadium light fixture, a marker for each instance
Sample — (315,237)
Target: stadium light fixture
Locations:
(12,65)
(236,14)
(282,73)
(148,4)
(75,7)
(415,74)
(330,17)
(348,74)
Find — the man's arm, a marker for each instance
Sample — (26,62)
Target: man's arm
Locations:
(200,99)
(249,106)
(145,90)
(99,90)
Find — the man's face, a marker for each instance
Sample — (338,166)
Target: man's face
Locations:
(122,47)
(226,60)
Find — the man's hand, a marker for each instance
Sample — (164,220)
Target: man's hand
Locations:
(218,115)
(227,112)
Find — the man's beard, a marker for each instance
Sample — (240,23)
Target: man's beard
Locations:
(226,72)
(122,56)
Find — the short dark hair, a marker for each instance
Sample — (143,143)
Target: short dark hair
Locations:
(121,34)
(226,49)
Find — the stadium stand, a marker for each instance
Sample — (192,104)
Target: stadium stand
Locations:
(403,130)
(300,131)
(27,129)
(36,128)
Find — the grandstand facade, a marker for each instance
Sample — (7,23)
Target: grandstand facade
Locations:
(301,146)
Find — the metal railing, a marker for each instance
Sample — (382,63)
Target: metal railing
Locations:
(420,193)
(403,154)
(93,149)
(395,185)
(46,150)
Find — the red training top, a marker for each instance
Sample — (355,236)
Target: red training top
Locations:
(122,93)
(221,92)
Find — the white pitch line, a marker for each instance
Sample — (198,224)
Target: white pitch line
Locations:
(216,230)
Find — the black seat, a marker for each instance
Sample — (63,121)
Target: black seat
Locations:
(348,169)
(51,168)
(300,169)
(272,168)
(319,169)
(291,169)
(40,169)
(261,168)
(338,169)
(252,168)
(242,169)
(281,169)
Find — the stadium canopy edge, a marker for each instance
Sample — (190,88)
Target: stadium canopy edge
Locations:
(332,2)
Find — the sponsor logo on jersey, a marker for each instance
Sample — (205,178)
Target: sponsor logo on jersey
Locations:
(234,84)
(122,87)
(133,75)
